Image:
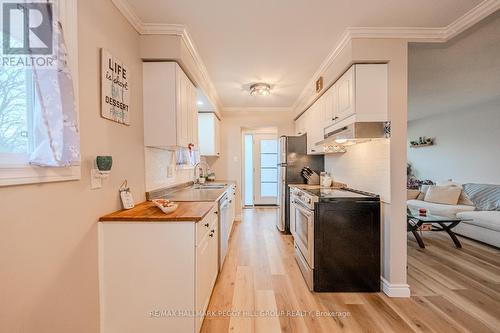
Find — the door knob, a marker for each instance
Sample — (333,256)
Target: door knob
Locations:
(206,225)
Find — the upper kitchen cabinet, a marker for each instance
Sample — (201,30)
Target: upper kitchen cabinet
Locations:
(300,125)
(170,112)
(209,134)
(315,115)
(359,95)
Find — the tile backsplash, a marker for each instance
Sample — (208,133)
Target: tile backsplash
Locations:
(161,170)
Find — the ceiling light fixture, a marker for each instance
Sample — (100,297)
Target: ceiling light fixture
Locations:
(260,89)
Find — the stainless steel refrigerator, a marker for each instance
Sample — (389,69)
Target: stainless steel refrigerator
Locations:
(293,157)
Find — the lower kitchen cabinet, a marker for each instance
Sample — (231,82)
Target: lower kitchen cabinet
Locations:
(156,276)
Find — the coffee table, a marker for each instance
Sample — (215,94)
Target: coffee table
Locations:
(439,223)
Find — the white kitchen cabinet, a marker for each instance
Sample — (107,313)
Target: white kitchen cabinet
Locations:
(331,104)
(209,134)
(207,267)
(169,106)
(315,115)
(345,95)
(147,270)
(300,125)
(359,95)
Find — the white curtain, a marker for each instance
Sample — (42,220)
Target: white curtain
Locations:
(56,129)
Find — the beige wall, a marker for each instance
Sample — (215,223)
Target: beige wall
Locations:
(228,166)
(465,140)
(48,235)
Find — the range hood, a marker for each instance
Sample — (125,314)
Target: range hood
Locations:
(357,131)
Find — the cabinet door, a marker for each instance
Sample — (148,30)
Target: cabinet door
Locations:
(346,98)
(209,142)
(331,105)
(206,133)
(300,123)
(160,102)
(206,268)
(315,126)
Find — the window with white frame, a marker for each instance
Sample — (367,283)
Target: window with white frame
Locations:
(39,133)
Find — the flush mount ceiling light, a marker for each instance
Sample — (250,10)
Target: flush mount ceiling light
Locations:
(260,89)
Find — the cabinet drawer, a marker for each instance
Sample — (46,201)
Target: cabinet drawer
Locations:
(207,224)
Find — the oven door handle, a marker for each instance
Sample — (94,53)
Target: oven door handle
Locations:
(303,209)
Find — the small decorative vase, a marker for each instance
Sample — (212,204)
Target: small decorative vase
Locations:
(104,163)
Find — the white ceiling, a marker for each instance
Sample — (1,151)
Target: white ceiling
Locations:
(462,73)
(282,42)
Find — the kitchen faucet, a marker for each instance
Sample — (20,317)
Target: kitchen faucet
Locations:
(199,165)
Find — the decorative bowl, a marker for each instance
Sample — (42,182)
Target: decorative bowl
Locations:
(166,206)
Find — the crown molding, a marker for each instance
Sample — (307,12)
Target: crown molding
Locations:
(162,29)
(411,34)
(472,17)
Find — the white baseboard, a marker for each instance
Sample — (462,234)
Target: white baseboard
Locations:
(394,289)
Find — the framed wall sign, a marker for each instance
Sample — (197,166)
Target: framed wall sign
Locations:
(115,89)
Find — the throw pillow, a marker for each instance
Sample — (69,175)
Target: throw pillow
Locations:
(412,194)
(447,195)
(463,199)
(484,196)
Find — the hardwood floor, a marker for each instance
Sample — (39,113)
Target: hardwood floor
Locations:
(452,290)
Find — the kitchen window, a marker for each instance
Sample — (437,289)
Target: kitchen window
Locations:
(39,133)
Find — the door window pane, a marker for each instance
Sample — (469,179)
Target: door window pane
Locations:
(269,160)
(268,175)
(269,146)
(269,189)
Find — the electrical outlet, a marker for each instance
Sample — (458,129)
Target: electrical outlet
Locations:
(95,181)
(170,171)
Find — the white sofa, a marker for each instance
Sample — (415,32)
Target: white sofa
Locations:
(483,226)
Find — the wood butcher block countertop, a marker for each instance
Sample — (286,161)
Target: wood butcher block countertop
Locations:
(148,212)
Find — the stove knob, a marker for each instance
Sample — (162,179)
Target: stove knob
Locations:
(308,200)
